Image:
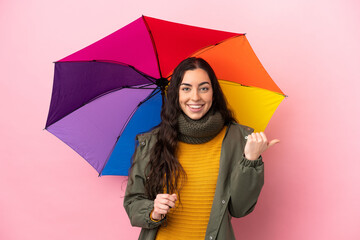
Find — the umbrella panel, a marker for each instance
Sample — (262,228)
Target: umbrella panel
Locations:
(78,83)
(146,117)
(174,41)
(93,130)
(131,45)
(252,106)
(234,60)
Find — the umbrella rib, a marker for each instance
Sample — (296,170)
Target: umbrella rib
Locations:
(151,79)
(142,74)
(145,86)
(114,90)
(206,48)
(103,94)
(153,43)
(137,107)
(139,88)
(152,94)
(149,97)
(136,70)
(242,85)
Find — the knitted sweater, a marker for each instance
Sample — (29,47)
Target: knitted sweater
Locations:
(189,219)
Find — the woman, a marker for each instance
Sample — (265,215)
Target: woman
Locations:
(196,170)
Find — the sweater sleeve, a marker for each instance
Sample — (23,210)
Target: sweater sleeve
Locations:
(136,204)
(247,180)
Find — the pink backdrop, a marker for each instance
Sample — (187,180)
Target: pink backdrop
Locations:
(310,48)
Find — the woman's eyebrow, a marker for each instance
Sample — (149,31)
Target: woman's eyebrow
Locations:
(203,83)
(188,84)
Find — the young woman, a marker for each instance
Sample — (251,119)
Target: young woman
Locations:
(198,168)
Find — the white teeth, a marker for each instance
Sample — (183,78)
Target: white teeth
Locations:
(195,106)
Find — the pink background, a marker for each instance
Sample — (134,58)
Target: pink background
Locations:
(310,48)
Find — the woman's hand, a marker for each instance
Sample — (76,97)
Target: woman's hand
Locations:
(256,144)
(162,205)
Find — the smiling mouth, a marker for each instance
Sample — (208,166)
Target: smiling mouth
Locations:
(195,107)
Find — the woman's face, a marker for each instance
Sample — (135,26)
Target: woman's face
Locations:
(195,93)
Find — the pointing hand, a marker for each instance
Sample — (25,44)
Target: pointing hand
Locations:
(256,144)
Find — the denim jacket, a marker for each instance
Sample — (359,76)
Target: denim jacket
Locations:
(237,189)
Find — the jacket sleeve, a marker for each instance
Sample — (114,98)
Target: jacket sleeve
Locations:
(247,180)
(136,204)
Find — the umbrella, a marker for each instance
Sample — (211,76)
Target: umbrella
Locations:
(106,93)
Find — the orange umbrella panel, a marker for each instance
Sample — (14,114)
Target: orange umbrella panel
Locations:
(234,60)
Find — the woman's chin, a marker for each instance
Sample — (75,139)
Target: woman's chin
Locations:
(195,115)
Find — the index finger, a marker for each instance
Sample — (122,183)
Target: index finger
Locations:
(167,196)
(163,195)
(263,136)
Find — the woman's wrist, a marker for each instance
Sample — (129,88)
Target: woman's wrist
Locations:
(154,218)
(251,157)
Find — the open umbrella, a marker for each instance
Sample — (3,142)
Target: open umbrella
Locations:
(106,93)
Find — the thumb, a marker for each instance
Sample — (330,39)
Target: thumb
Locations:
(273,142)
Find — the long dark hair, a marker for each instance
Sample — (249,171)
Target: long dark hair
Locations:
(164,168)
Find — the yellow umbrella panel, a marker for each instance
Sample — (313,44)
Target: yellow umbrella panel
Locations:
(252,106)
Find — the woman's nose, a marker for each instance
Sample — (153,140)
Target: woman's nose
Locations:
(195,95)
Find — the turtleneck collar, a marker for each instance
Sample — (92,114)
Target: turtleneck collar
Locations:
(202,130)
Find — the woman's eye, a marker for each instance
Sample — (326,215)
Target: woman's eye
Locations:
(185,89)
(204,89)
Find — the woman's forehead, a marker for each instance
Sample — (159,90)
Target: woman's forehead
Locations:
(197,76)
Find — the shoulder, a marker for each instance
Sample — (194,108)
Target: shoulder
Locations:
(236,137)
(237,128)
(145,142)
(147,136)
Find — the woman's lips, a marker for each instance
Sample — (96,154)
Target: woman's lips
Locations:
(195,107)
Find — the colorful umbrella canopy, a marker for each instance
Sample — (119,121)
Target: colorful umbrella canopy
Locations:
(111,90)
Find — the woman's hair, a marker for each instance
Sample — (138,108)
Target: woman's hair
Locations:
(164,168)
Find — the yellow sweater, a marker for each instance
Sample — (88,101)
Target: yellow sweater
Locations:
(201,164)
